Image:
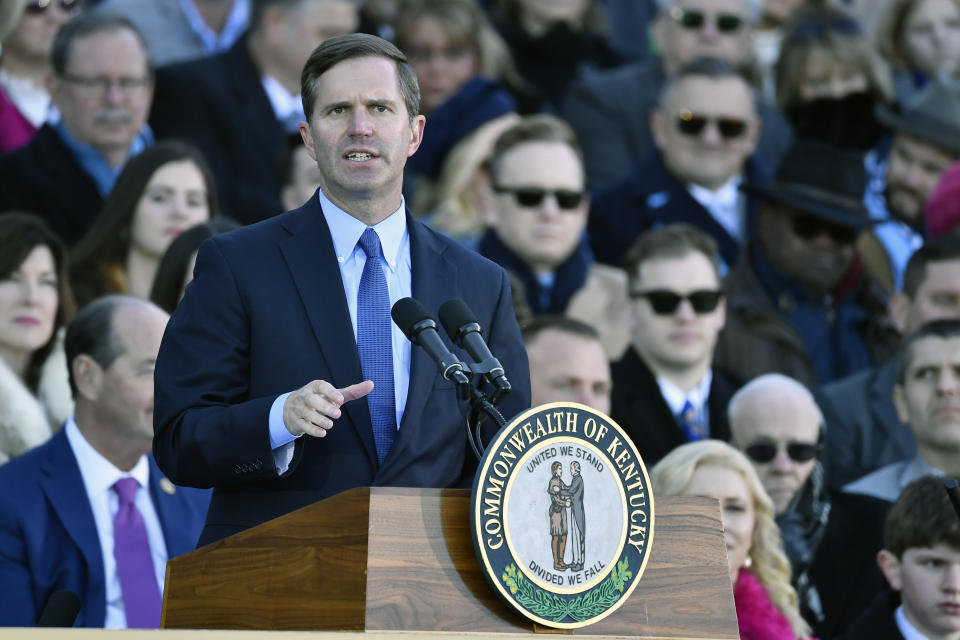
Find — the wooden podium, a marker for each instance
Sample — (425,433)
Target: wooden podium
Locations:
(381,559)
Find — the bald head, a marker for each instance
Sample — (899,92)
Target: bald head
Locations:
(776,422)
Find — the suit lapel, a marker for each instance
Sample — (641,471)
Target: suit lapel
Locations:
(256,112)
(312,262)
(433,278)
(168,510)
(63,485)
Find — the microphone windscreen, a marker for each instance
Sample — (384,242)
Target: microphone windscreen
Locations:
(406,313)
(454,314)
(61,609)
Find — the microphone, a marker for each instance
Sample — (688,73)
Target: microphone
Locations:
(420,328)
(464,329)
(61,609)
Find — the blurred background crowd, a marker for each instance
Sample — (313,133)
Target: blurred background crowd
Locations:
(729,224)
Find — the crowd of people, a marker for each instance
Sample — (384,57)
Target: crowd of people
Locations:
(731,225)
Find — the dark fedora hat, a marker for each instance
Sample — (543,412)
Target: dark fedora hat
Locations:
(820,179)
(933,115)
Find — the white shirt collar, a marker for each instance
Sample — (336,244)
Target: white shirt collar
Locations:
(99,474)
(283,102)
(676,397)
(723,204)
(346,230)
(907,630)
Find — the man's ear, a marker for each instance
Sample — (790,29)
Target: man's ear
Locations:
(890,566)
(900,403)
(88,376)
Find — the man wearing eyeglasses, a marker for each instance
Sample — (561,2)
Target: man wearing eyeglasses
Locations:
(705,130)
(665,389)
(610,109)
(798,303)
(830,538)
(101,87)
(536,227)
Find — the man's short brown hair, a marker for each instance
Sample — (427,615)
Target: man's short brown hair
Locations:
(922,517)
(357,45)
(670,241)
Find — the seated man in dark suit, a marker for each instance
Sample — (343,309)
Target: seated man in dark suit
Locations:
(610,108)
(705,129)
(238,106)
(535,224)
(921,562)
(101,86)
(90,511)
(864,432)
(281,379)
(665,390)
(831,538)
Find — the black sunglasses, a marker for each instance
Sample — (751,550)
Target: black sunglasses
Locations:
(809,227)
(694,19)
(763,452)
(38,7)
(533,196)
(693,125)
(665,302)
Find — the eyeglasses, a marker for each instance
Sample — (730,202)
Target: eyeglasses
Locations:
(39,7)
(694,19)
(809,227)
(420,55)
(764,452)
(100,85)
(664,302)
(691,124)
(533,196)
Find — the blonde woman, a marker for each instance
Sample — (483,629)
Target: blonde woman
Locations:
(759,569)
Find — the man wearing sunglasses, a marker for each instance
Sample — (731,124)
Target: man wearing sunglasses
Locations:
(830,538)
(864,431)
(101,86)
(610,109)
(666,391)
(705,130)
(536,225)
(798,303)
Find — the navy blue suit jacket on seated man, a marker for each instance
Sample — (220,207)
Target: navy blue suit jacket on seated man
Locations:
(267,313)
(48,537)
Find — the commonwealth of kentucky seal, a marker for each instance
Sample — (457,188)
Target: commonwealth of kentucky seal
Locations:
(562,515)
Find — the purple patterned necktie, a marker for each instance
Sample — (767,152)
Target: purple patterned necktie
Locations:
(375,345)
(131,548)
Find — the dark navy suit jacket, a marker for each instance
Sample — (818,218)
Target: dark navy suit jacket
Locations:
(48,537)
(265,314)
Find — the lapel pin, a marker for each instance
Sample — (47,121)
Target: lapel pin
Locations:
(167,487)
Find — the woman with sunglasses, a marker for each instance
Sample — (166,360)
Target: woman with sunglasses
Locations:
(921,39)
(830,78)
(759,570)
(24,65)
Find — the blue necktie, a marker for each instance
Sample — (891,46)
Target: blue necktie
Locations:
(691,422)
(374,344)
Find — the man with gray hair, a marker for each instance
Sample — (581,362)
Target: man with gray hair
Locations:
(101,87)
(831,540)
(239,106)
(610,109)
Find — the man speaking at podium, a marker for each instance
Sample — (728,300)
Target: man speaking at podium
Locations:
(281,379)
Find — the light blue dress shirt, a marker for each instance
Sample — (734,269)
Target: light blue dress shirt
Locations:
(237,21)
(395,242)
